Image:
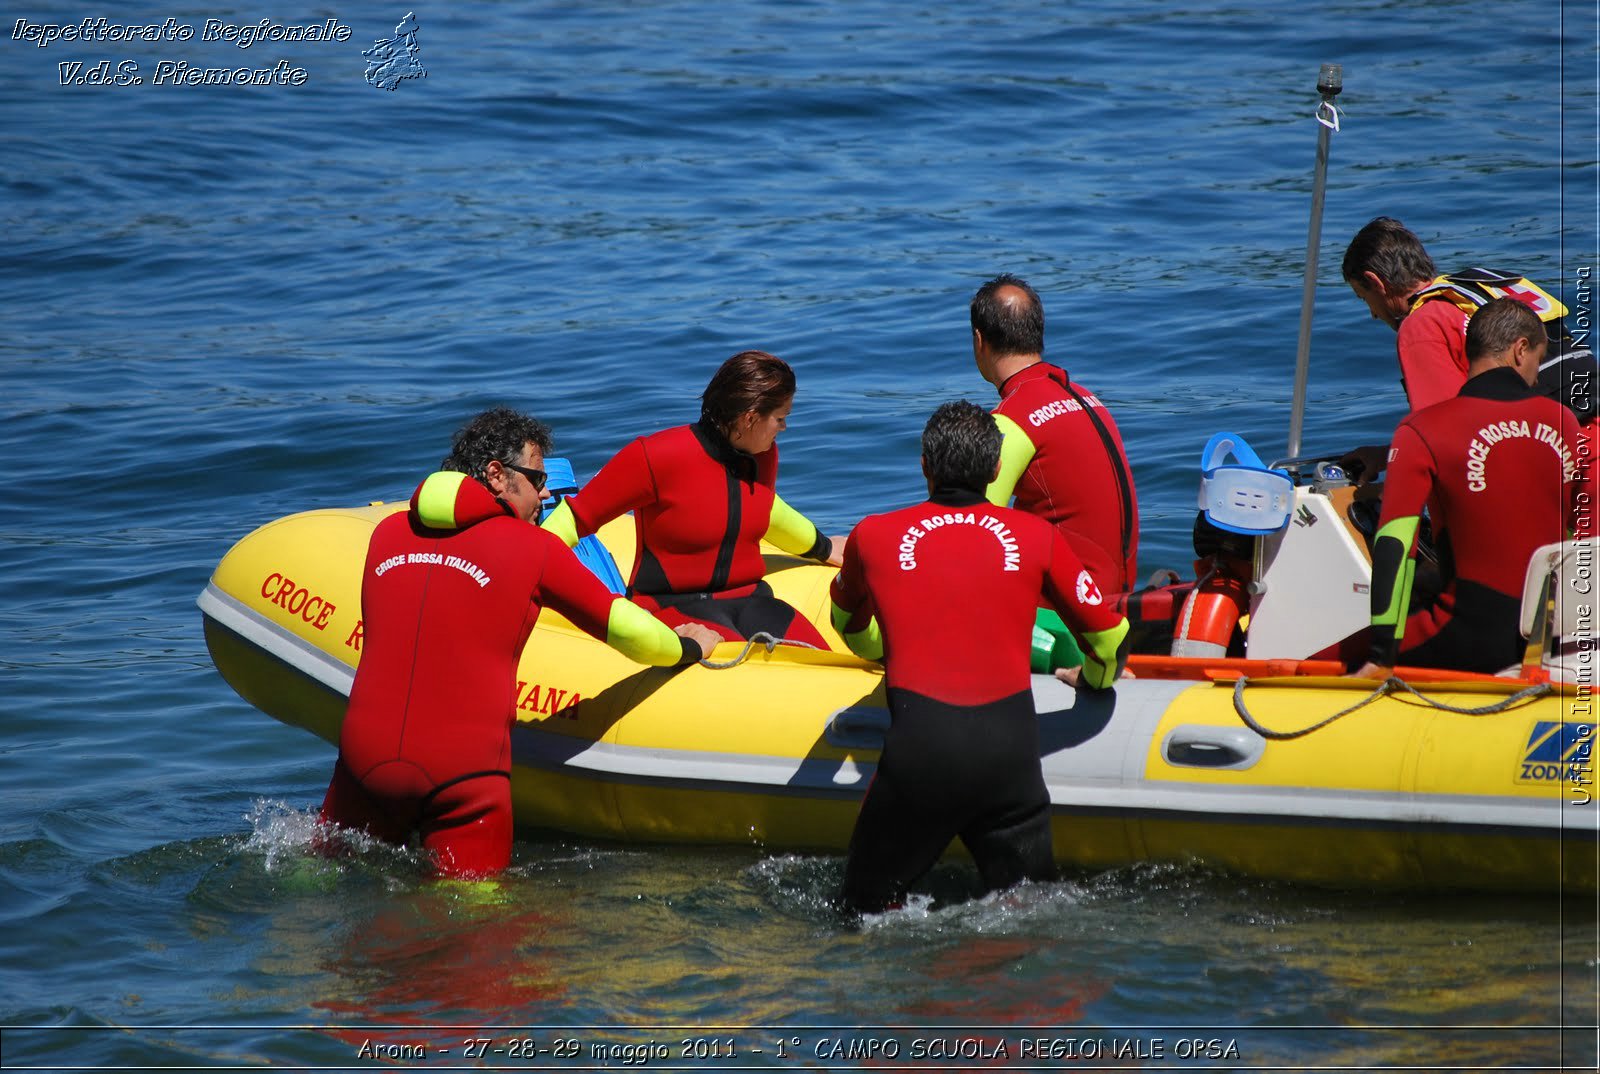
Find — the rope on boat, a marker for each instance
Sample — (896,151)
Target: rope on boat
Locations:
(760,637)
(1188,604)
(1391,685)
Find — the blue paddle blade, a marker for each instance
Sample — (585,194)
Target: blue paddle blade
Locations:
(597,557)
(561,481)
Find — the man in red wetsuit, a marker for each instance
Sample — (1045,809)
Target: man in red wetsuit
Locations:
(1497,467)
(943,593)
(1389,269)
(1062,456)
(450,591)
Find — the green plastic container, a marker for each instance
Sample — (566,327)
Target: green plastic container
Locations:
(1053,644)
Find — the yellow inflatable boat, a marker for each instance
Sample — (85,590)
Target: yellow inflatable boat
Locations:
(1195,760)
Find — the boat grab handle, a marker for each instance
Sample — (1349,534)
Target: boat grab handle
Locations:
(1199,746)
(857,728)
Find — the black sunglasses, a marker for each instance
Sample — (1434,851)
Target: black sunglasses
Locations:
(535,477)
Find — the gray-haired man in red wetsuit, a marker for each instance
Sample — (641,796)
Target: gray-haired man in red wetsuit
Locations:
(450,592)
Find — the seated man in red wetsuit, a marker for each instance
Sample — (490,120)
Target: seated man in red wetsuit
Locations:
(1062,456)
(703,497)
(449,594)
(943,593)
(1497,468)
(1389,269)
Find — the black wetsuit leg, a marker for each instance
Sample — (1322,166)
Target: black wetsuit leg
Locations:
(950,770)
(1014,845)
(760,611)
(895,841)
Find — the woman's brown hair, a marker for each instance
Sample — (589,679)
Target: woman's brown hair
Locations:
(750,380)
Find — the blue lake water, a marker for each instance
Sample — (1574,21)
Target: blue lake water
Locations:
(226,303)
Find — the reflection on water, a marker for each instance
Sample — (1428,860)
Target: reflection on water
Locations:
(444,954)
(370,951)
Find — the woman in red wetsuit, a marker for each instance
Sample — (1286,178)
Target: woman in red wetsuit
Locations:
(703,497)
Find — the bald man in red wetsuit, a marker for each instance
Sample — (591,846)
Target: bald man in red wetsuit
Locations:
(1497,467)
(1062,456)
(450,592)
(943,593)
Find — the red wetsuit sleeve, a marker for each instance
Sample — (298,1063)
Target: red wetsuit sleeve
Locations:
(849,589)
(624,484)
(1432,345)
(1410,477)
(1069,586)
(573,590)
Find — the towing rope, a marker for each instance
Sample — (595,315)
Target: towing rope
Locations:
(760,637)
(1391,685)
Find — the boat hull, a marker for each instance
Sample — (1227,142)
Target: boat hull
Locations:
(777,751)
